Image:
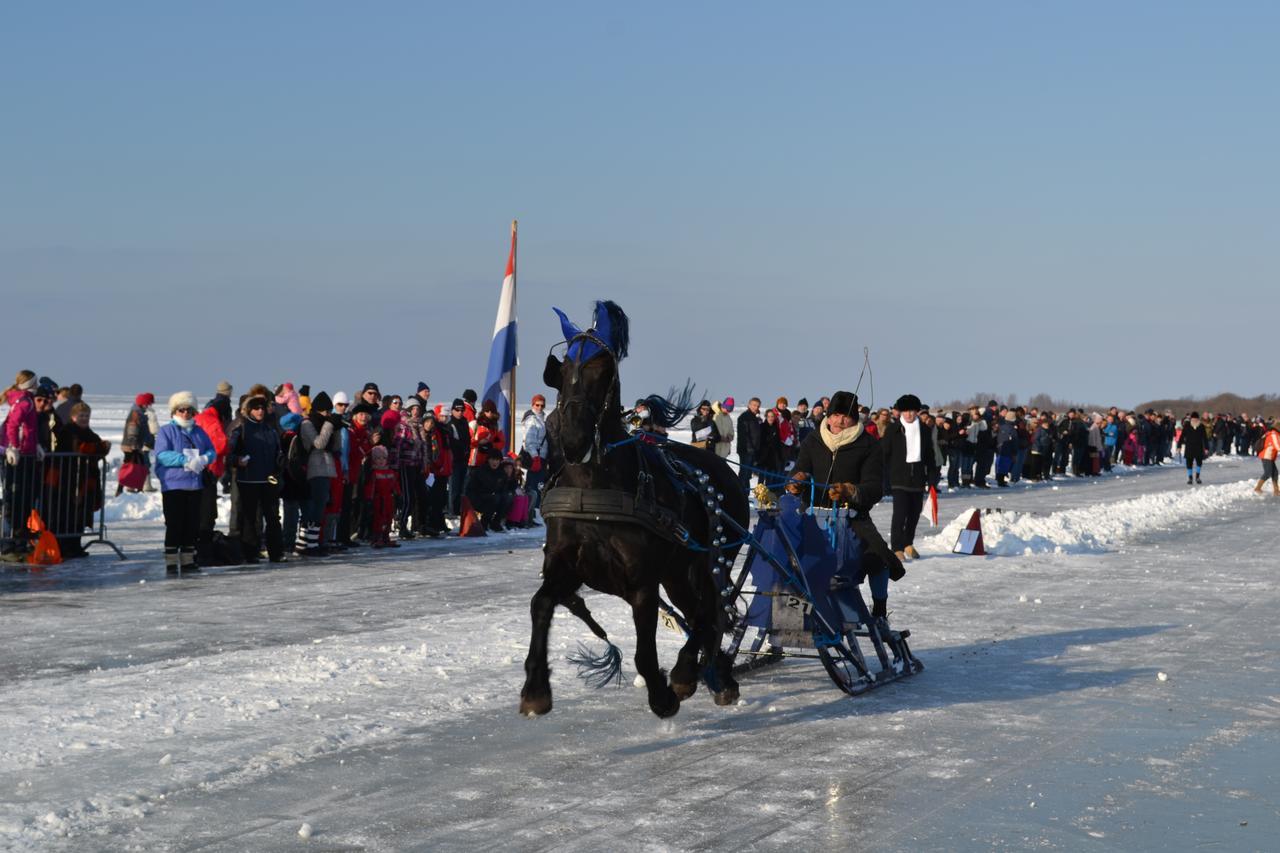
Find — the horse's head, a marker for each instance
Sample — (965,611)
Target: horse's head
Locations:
(588,382)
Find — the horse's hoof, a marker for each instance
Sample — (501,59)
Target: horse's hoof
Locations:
(535,706)
(727,697)
(684,691)
(667,708)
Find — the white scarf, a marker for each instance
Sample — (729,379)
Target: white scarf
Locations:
(912,433)
(847,436)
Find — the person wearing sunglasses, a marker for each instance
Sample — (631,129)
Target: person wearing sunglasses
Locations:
(183,451)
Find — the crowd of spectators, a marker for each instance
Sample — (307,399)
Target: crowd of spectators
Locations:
(308,475)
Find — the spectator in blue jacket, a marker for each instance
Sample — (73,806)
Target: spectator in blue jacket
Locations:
(183,451)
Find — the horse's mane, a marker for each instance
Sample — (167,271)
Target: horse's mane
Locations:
(668,411)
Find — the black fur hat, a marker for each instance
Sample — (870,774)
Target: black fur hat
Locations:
(844,403)
(908,403)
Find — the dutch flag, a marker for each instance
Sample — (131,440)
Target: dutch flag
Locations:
(500,380)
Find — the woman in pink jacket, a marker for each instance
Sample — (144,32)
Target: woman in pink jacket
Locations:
(22,455)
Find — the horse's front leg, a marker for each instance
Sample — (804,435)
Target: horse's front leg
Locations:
(535,696)
(644,611)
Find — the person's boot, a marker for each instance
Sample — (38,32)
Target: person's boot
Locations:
(171,561)
(187,561)
(1197,478)
(879,608)
(901,555)
(911,552)
(1189,480)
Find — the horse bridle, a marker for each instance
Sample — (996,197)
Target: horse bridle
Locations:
(589,336)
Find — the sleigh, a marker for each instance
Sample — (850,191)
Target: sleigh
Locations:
(796,596)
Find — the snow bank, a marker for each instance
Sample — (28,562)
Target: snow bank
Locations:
(1092,529)
(147,506)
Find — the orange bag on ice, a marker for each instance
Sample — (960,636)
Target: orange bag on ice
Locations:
(46,552)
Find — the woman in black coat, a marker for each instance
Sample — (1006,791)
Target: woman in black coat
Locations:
(703,426)
(769,456)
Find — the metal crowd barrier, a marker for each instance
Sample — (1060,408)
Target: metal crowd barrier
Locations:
(69,490)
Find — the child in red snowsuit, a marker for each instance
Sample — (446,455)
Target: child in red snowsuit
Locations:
(382,488)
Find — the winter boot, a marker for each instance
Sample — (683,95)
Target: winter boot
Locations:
(1197,478)
(187,561)
(901,555)
(911,552)
(171,561)
(1189,481)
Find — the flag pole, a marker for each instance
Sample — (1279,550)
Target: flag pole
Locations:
(511,433)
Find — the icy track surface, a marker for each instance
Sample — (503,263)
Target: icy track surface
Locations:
(375,700)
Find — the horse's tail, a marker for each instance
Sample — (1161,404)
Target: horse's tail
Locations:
(598,670)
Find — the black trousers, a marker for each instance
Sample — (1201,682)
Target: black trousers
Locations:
(264,498)
(907,507)
(181,517)
(437,497)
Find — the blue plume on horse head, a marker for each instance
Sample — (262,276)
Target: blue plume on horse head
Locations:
(610,324)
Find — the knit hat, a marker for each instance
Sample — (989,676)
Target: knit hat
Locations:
(304,391)
(321,403)
(428,413)
(378,455)
(390,419)
(844,403)
(727,405)
(422,386)
(371,386)
(46,391)
(29,385)
(538,398)
(341,397)
(494,453)
(366,407)
(413,402)
(907,403)
(470,396)
(803,401)
(144,400)
(291,421)
(45,380)
(224,388)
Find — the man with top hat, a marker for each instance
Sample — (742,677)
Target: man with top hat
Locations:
(848,465)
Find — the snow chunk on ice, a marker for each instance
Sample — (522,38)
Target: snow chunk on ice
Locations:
(304,831)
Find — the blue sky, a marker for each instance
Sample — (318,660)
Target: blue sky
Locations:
(1075,198)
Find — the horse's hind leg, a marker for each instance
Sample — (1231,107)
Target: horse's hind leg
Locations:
(685,675)
(644,610)
(535,696)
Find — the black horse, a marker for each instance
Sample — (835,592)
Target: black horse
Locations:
(673,540)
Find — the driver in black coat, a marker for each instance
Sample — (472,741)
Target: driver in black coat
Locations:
(850,466)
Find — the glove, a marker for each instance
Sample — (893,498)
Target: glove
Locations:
(796,487)
(336,420)
(11,455)
(842,493)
